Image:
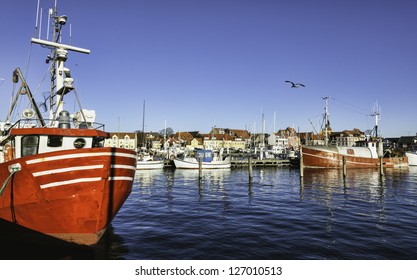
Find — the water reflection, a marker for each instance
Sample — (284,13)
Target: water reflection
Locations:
(147,177)
(364,198)
(328,183)
(19,243)
(174,215)
(210,177)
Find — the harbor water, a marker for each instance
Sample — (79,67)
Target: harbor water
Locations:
(172,215)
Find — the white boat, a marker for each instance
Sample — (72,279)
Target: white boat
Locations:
(148,162)
(208,161)
(412,158)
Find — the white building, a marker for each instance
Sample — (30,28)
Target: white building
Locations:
(278,142)
(127,140)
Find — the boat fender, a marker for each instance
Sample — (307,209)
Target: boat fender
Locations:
(9,151)
(12,169)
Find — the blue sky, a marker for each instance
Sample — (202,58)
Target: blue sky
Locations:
(223,63)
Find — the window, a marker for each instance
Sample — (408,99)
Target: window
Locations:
(54,141)
(98,142)
(30,145)
(79,143)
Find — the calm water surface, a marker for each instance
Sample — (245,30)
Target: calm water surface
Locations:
(171,215)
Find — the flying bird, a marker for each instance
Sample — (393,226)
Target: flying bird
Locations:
(295,85)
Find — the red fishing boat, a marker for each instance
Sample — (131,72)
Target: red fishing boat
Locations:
(56,176)
(365,156)
(368,153)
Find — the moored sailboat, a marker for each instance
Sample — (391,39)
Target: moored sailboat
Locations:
(56,176)
(208,161)
(146,162)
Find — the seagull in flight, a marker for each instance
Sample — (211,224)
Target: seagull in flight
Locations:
(295,85)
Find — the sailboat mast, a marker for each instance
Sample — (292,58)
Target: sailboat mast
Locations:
(165,135)
(263,130)
(143,125)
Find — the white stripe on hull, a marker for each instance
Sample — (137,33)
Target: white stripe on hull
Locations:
(122,166)
(339,161)
(81,168)
(84,180)
(83,155)
(68,182)
(68,169)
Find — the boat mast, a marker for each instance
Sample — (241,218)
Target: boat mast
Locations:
(143,125)
(326,120)
(61,81)
(165,135)
(376,114)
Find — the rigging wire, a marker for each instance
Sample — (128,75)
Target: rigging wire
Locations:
(14,113)
(28,104)
(344,105)
(28,61)
(349,106)
(48,70)
(79,105)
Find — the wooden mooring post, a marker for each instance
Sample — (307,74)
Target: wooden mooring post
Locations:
(250,191)
(344,167)
(200,169)
(250,167)
(381,167)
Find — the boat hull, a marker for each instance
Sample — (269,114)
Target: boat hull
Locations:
(72,195)
(412,158)
(355,157)
(148,165)
(192,163)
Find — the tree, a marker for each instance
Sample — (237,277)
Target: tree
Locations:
(169,131)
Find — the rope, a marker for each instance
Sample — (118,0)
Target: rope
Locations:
(79,105)
(14,169)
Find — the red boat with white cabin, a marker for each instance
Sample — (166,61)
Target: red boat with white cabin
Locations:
(364,154)
(56,176)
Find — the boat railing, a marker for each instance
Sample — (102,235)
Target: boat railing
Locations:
(333,143)
(32,123)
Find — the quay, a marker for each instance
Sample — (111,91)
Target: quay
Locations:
(245,162)
(260,162)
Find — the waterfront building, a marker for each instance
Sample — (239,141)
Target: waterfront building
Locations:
(407,143)
(217,141)
(127,140)
(309,138)
(278,142)
(347,138)
(292,141)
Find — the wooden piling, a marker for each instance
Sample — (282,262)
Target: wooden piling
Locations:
(381,167)
(344,167)
(250,167)
(200,168)
(301,162)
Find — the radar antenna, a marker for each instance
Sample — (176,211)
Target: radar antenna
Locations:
(61,80)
